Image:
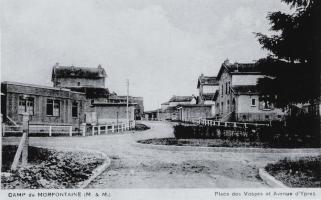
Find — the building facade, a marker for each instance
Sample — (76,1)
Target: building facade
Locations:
(169,109)
(105,113)
(238,99)
(45,105)
(193,112)
(207,86)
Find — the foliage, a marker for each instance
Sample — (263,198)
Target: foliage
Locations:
(297,135)
(296,50)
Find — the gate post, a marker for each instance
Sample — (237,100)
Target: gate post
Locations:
(50,131)
(84,130)
(25,129)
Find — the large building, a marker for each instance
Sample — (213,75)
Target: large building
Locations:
(101,105)
(45,105)
(77,77)
(237,98)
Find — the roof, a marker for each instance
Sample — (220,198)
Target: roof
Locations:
(33,85)
(238,68)
(40,90)
(181,99)
(93,92)
(245,90)
(206,80)
(152,111)
(112,104)
(78,72)
(193,105)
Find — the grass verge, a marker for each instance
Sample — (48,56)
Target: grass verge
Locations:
(305,172)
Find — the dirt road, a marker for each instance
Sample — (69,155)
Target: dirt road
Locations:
(135,167)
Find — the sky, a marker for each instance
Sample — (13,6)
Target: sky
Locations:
(161,46)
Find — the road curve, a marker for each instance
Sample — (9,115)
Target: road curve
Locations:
(134,167)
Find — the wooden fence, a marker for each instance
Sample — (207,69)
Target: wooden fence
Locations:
(69,130)
(112,128)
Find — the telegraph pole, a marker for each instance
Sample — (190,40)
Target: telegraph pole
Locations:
(127,102)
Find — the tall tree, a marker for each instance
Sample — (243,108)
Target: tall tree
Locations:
(294,62)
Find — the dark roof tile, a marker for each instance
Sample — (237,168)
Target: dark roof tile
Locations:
(78,72)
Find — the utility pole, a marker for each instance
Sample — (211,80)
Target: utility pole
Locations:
(127,102)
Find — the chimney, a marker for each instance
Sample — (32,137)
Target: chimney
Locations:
(227,62)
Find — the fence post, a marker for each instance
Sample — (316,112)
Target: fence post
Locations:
(25,129)
(93,130)
(3,129)
(98,129)
(50,133)
(244,125)
(234,124)
(70,131)
(112,127)
(84,130)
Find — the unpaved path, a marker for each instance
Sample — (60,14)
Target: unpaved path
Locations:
(135,167)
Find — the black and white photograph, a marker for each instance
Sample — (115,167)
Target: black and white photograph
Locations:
(160,94)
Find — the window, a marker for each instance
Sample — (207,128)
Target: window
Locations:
(78,83)
(253,102)
(53,107)
(266,105)
(226,87)
(229,87)
(227,105)
(74,109)
(26,105)
(222,90)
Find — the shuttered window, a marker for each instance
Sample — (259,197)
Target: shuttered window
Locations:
(74,111)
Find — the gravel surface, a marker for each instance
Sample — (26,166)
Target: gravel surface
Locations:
(134,167)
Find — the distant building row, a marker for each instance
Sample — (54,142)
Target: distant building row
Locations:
(232,95)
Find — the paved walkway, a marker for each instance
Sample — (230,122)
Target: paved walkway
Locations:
(135,167)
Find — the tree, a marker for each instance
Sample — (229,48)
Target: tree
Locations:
(294,62)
